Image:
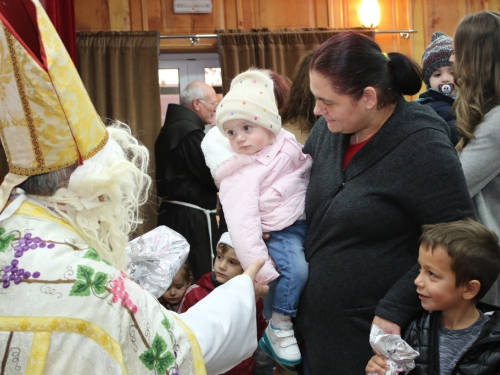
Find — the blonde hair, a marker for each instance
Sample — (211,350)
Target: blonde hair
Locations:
(104,206)
(476,70)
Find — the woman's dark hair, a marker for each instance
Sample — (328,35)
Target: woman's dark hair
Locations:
(281,89)
(300,103)
(352,62)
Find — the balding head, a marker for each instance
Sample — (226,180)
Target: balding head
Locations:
(200,98)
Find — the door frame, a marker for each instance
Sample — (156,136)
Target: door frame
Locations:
(190,65)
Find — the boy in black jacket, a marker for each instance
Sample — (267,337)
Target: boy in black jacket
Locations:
(459,261)
(438,76)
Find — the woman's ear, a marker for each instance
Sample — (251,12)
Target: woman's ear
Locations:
(471,289)
(370,97)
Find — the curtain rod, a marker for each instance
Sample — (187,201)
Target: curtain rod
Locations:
(188,36)
(195,38)
(405,34)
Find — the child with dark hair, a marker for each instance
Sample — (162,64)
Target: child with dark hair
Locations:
(438,76)
(172,297)
(226,266)
(459,261)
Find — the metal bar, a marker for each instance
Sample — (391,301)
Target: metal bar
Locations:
(188,36)
(395,31)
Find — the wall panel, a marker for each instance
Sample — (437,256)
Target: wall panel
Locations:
(281,13)
(426,16)
(178,23)
(135,9)
(93,15)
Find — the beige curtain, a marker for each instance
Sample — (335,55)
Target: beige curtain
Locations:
(120,72)
(278,50)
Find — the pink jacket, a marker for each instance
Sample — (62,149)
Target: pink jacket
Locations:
(259,193)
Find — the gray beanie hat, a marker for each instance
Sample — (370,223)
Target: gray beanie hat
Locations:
(436,55)
(251,97)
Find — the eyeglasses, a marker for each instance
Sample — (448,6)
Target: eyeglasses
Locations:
(213,102)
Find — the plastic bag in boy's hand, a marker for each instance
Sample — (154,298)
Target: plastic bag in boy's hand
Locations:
(400,356)
(155,258)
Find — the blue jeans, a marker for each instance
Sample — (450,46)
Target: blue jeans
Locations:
(286,247)
(268,300)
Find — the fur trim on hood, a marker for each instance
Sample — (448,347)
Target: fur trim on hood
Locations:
(220,157)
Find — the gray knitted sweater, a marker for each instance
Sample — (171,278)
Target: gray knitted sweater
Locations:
(480,160)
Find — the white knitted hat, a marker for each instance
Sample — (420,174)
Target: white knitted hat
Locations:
(251,97)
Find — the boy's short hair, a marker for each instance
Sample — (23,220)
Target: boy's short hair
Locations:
(225,242)
(473,249)
(224,247)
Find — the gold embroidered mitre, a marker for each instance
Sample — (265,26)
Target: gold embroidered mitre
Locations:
(47,120)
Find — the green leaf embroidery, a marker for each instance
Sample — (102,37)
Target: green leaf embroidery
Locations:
(80,289)
(85,273)
(92,254)
(153,357)
(85,282)
(165,362)
(159,345)
(166,323)
(99,282)
(5,241)
(148,358)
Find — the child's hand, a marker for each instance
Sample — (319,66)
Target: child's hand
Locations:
(260,290)
(377,364)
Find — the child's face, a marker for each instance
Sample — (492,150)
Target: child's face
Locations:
(246,137)
(226,266)
(442,76)
(436,282)
(174,294)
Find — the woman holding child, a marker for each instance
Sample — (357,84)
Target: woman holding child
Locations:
(382,168)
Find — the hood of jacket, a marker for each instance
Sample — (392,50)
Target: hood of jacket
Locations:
(223,161)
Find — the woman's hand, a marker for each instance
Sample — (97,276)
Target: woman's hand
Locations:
(260,290)
(387,326)
(377,364)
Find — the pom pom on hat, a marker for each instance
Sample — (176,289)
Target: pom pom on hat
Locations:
(251,98)
(436,55)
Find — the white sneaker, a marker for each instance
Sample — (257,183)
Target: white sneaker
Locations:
(282,344)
